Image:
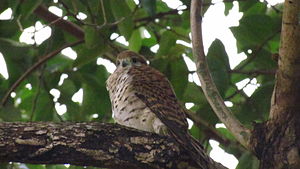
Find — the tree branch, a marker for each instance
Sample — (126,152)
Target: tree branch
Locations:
(89,144)
(286,95)
(158,15)
(209,130)
(35,66)
(254,54)
(254,72)
(42,12)
(241,133)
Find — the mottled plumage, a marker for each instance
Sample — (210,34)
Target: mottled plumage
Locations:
(143,98)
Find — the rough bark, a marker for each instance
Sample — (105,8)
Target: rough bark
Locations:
(89,144)
(277,142)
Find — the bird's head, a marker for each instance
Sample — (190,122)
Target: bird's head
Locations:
(128,58)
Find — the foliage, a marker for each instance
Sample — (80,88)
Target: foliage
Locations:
(257,32)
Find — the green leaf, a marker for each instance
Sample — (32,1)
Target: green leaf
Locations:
(176,71)
(3,6)
(8,28)
(5,165)
(194,94)
(34,101)
(178,76)
(85,54)
(26,8)
(149,6)
(67,89)
(253,30)
(135,41)
(218,63)
(59,63)
(35,166)
(248,161)
(228,7)
(120,11)
(196,132)
(56,167)
(95,96)
(26,97)
(225,132)
(205,7)
(167,41)
(257,107)
(44,110)
(149,42)
(16,56)
(10,113)
(205,111)
(262,61)
(256,8)
(245,5)
(92,38)
(161,6)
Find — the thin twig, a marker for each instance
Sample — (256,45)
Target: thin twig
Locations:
(53,105)
(35,66)
(273,7)
(51,23)
(186,38)
(19,23)
(135,9)
(92,24)
(241,133)
(69,13)
(158,15)
(238,90)
(175,12)
(254,72)
(42,12)
(35,99)
(103,12)
(210,130)
(257,50)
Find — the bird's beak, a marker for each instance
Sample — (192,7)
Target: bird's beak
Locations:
(125,62)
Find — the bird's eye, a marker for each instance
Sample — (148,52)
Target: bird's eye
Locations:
(134,60)
(118,63)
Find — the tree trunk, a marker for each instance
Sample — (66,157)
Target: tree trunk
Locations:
(89,144)
(277,142)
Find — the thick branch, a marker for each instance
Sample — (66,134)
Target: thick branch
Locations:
(89,144)
(286,93)
(241,133)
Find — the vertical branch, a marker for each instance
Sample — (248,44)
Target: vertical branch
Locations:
(286,94)
(241,133)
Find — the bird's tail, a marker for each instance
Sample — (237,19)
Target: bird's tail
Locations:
(198,154)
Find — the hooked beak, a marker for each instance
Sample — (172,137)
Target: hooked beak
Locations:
(125,62)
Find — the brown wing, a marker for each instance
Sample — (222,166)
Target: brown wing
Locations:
(153,88)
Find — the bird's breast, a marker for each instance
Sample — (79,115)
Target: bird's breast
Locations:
(127,108)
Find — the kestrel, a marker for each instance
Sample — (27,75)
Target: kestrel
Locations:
(144,99)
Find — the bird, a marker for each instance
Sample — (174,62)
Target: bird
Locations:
(144,99)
